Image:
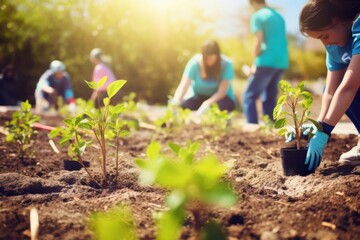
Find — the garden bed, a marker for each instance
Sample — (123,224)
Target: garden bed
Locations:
(324,205)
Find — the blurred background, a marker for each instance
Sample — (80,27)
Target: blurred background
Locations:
(148,42)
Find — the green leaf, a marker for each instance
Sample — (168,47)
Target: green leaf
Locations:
(280,123)
(221,195)
(101,82)
(114,87)
(91,84)
(153,150)
(106,101)
(174,147)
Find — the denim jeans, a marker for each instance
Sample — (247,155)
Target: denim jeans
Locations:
(195,102)
(353,112)
(263,83)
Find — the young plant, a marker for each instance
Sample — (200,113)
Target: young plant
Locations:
(21,131)
(117,223)
(216,121)
(73,134)
(293,110)
(100,119)
(195,185)
(174,117)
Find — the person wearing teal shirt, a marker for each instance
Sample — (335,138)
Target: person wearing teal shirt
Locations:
(271,59)
(207,79)
(336,23)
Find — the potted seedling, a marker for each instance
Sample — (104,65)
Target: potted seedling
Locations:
(292,111)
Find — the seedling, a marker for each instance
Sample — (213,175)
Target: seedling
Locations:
(268,125)
(21,131)
(215,121)
(117,223)
(293,110)
(101,119)
(173,118)
(195,185)
(73,134)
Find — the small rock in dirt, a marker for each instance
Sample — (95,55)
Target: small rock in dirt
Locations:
(267,235)
(263,165)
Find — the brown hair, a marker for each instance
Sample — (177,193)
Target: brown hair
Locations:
(319,14)
(211,47)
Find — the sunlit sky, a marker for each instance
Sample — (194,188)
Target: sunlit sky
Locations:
(290,9)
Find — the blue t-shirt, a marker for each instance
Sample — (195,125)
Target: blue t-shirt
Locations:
(63,86)
(209,86)
(274,50)
(339,57)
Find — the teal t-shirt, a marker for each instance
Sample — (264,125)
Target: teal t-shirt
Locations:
(209,86)
(339,57)
(274,49)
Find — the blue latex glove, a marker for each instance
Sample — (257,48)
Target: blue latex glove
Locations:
(315,149)
(305,131)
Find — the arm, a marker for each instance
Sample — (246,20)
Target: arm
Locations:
(333,80)
(182,89)
(345,93)
(219,94)
(259,36)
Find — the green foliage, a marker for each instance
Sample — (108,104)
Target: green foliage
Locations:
(104,122)
(268,126)
(117,223)
(194,184)
(217,122)
(174,118)
(293,108)
(21,131)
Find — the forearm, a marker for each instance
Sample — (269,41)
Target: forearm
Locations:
(325,104)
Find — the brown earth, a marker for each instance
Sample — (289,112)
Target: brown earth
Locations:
(324,205)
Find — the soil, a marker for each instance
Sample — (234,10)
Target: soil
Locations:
(323,205)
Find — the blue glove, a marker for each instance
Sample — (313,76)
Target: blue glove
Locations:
(305,132)
(315,149)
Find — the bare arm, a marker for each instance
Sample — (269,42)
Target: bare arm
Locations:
(333,80)
(182,89)
(258,40)
(346,92)
(220,93)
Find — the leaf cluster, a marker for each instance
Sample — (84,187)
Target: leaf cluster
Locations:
(20,129)
(293,110)
(193,184)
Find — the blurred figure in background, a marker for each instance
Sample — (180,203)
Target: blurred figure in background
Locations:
(101,69)
(53,83)
(8,93)
(271,59)
(206,80)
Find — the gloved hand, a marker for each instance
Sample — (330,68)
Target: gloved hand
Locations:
(306,129)
(72,108)
(315,150)
(203,108)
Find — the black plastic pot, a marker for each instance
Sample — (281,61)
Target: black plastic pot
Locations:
(72,165)
(293,161)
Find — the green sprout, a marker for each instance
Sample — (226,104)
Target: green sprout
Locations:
(195,185)
(103,120)
(293,109)
(117,223)
(21,131)
(174,117)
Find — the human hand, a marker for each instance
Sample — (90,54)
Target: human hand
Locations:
(72,108)
(203,108)
(315,150)
(305,131)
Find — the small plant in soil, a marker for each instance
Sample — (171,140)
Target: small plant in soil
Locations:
(104,121)
(174,117)
(20,130)
(195,185)
(292,111)
(216,122)
(117,223)
(73,134)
